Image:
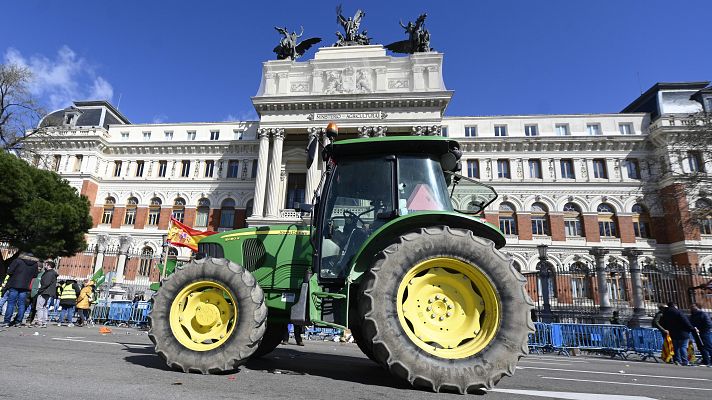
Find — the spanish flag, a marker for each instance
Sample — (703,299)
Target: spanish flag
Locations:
(181,235)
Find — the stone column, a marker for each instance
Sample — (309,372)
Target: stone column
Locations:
(604,298)
(261,179)
(124,245)
(636,279)
(313,173)
(101,241)
(275,168)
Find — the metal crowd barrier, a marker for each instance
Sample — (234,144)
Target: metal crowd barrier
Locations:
(312,333)
(646,342)
(540,339)
(614,340)
(121,313)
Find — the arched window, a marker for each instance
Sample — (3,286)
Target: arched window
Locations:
(202,212)
(641,221)
(248,207)
(703,211)
(507,223)
(178,212)
(606,220)
(130,217)
(227,213)
(154,211)
(580,280)
(172,253)
(108,215)
(144,268)
(572,220)
(539,224)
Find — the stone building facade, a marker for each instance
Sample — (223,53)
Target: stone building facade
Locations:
(572,182)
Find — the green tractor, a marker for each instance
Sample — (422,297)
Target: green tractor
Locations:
(423,288)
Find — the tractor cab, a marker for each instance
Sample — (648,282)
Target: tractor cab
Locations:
(369,183)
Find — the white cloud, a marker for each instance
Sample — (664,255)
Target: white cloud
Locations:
(159,118)
(66,78)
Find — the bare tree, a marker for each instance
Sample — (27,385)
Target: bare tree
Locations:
(20,112)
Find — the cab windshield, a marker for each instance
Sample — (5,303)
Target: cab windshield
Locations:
(361,198)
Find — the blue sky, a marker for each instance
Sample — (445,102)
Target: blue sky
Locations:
(178,61)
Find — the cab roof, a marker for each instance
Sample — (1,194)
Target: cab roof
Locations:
(432,145)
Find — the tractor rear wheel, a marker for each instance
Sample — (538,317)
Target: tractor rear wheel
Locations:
(444,310)
(208,317)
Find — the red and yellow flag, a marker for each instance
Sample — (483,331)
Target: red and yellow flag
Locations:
(181,235)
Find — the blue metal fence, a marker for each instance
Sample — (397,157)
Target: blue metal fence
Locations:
(614,340)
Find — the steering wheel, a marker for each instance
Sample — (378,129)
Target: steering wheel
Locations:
(355,218)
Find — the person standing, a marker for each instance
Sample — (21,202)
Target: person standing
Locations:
(22,270)
(703,323)
(47,290)
(658,320)
(679,328)
(68,300)
(84,302)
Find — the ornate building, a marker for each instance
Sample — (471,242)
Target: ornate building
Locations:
(572,182)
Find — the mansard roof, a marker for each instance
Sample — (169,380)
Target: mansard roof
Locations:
(90,113)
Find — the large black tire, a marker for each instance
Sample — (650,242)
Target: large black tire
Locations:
(246,334)
(356,325)
(273,337)
(395,350)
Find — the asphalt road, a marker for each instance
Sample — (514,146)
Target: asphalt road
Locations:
(80,363)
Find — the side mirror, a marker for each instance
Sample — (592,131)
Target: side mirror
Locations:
(311,150)
(305,208)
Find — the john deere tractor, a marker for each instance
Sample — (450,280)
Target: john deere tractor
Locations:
(423,288)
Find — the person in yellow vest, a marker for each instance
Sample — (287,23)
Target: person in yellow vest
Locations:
(68,294)
(84,301)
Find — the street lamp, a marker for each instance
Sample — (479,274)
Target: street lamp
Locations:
(544,275)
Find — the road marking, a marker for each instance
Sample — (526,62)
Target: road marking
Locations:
(543,362)
(625,383)
(98,342)
(568,360)
(570,395)
(617,373)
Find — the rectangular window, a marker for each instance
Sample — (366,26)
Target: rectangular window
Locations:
(185,169)
(539,226)
(706,226)
(201,218)
(154,215)
(56,162)
(147,136)
(162,167)
(473,168)
(124,136)
(209,168)
(641,229)
(254,169)
(232,167)
(694,160)
(507,225)
(625,129)
(227,218)
(567,169)
(599,168)
(531,130)
(562,129)
(117,168)
(178,215)
(139,168)
(607,228)
(593,129)
(633,168)
(169,135)
(580,288)
(573,227)
(500,130)
(191,135)
(78,162)
(503,169)
(470,131)
(214,135)
(237,134)
(296,190)
(130,217)
(535,169)
(107,216)
(443,131)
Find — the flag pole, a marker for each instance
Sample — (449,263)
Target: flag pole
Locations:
(165,251)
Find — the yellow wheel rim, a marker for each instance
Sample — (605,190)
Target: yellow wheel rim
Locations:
(203,315)
(448,308)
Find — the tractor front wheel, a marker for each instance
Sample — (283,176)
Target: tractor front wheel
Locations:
(208,317)
(444,310)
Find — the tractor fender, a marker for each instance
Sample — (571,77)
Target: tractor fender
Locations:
(386,234)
